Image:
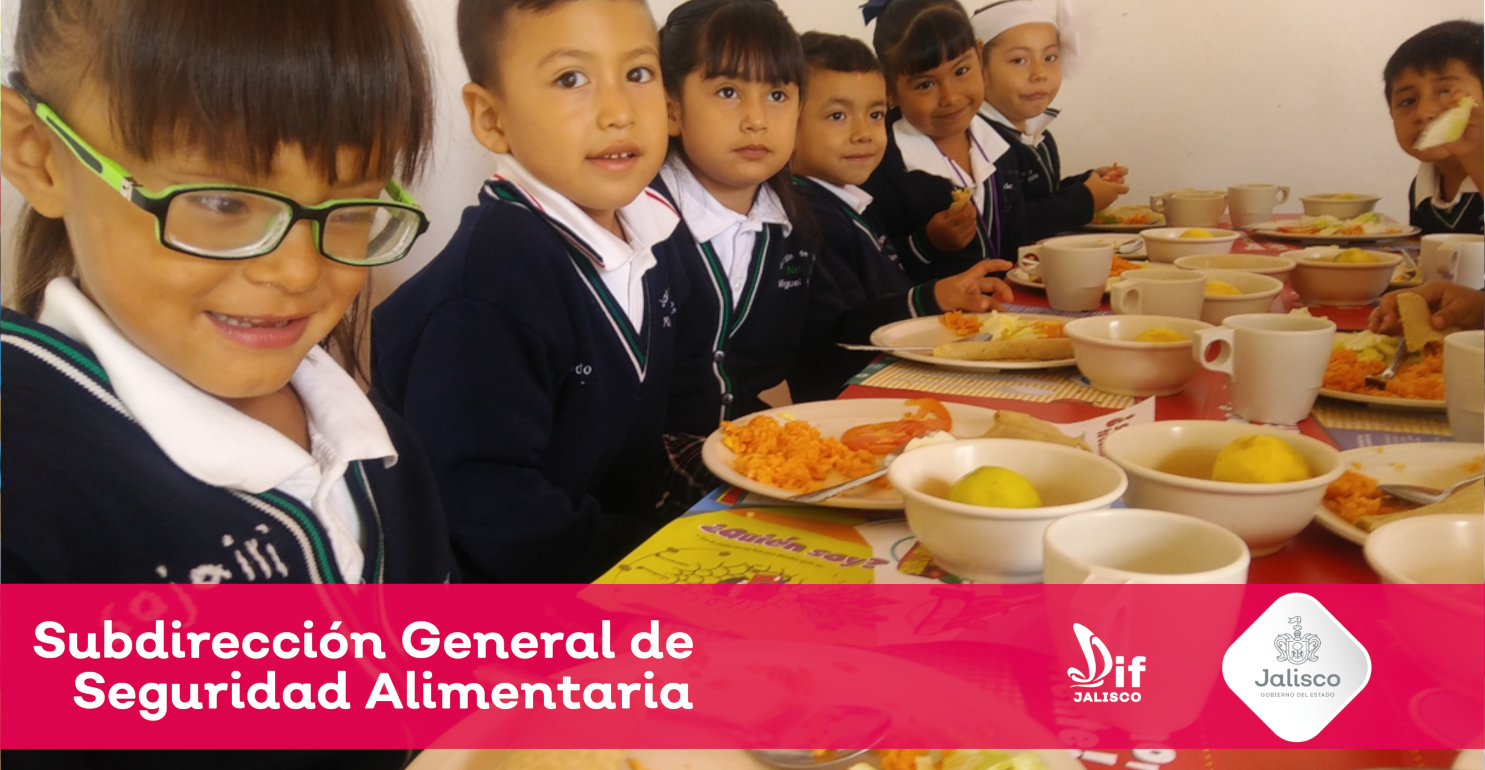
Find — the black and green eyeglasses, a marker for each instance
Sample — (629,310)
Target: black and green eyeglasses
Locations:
(234,222)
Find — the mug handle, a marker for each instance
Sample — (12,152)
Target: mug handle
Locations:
(1125,299)
(1283,196)
(1157,203)
(1030,263)
(1451,249)
(1220,336)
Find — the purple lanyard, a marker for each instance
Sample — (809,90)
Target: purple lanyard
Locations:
(981,226)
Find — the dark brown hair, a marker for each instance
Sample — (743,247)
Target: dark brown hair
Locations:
(1432,49)
(915,36)
(238,80)
(481,25)
(838,53)
(746,39)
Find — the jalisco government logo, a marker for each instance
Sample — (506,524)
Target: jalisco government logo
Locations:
(1295,648)
(1098,668)
(1296,703)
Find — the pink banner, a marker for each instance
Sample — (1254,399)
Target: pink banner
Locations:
(742,666)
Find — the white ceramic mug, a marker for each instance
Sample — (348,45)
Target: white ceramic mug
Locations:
(1464,384)
(1075,270)
(1251,204)
(1135,545)
(1153,291)
(1190,208)
(1453,257)
(1274,363)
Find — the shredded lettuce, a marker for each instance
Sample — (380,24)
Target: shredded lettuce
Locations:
(1369,346)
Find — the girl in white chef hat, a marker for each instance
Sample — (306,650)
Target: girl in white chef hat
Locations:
(1026,52)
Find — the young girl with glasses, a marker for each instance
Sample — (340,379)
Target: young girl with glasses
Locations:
(205,199)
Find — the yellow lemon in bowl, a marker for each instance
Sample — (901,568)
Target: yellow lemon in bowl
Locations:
(1354,257)
(1161,334)
(1343,197)
(1222,289)
(1197,233)
(1260,459)
(995,487)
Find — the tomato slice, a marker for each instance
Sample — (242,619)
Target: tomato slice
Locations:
(883,438)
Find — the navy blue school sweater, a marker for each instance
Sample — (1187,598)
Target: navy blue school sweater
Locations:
(905,200)
(791,306)
(93,499)
(1053,204)
(1466,216)
(865,268)
(540,405)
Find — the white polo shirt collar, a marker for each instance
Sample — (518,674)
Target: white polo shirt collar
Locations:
(853,196)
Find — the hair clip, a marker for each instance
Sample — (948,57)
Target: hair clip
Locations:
(873,8)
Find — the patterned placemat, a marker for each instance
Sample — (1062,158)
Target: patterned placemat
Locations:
(1360,417)
(1038,386)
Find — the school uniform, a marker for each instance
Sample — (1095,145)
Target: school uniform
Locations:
(916,181)
(1427,209)
(122,472)
(532,356)
(1053,204)
(865,267)
(759,299)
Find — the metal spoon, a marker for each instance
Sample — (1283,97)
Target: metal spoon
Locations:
(1130,246)
(861,725)
(1381,380)
(1422,495)
(829,492)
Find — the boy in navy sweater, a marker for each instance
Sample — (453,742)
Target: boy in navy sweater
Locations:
(842,135)
(1428,74)
(532,356)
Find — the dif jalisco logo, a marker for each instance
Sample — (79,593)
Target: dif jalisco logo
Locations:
(1300,691)
(1099,667)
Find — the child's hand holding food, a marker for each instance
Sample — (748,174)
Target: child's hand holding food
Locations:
(1114,173)
(1104,192)
(973,290)
(953,228)
(1452,305)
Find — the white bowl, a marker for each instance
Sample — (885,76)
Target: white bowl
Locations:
(1441,548)
(1165,244)
(998,545)
(1274,267)
(1258,292)
(1343,285)
(1326,204)
(1112,361)
(1265,516)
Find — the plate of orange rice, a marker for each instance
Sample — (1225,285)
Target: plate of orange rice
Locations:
(1418,384)
(1355,494)
(796,449)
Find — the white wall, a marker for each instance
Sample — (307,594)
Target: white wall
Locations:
(1198,93)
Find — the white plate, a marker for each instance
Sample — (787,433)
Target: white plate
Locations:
(1430,464)
(833,418)
(1267,230)
(727,759)
(1391,402)
(927,331)
(1109,228)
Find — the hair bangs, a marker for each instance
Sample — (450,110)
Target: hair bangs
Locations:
(936,36)
(750,41)
(239,81)
(1430,51)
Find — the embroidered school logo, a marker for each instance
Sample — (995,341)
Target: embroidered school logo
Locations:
(1296,648)
(1296,703)
(1098,664)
